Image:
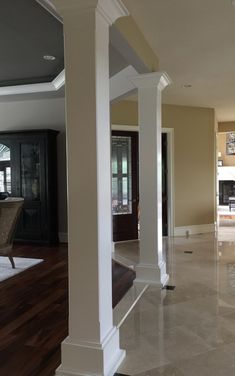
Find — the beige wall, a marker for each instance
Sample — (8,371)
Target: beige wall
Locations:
(194,162)
(124,113)
(194,158)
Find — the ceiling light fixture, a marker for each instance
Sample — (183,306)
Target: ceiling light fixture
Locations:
(186,86)
(49,57)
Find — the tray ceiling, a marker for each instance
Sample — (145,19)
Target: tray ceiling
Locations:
(27,33)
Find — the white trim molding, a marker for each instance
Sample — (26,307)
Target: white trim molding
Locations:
(46,4)
(59,81)
(158,80)
(125,128)
(194,229)
(111,10)
(55,85)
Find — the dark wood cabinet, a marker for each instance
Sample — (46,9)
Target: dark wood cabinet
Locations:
(32,175)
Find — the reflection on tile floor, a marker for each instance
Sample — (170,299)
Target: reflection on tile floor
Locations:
(189,331)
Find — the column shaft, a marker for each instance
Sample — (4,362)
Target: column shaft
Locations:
(152,266)
(92,346)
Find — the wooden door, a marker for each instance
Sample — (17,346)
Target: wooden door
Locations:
(125,185)
(164,186)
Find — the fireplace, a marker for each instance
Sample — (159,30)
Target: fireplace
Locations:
(226,189)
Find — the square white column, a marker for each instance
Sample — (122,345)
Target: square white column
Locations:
(92,347)
(152,267)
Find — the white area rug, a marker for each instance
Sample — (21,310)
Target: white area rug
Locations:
(21,264)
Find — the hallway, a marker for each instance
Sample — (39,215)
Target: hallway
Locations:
(188,331)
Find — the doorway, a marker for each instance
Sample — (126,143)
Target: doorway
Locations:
(125,192)
(125,216)
(225,185)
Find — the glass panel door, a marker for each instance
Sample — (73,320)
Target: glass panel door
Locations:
(121,175)
(125,185)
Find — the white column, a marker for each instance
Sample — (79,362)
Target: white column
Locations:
(152,266)
(92,347)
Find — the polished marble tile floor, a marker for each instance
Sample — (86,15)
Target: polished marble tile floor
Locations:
(188,331)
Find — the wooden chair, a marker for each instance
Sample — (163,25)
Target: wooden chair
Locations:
(9,213)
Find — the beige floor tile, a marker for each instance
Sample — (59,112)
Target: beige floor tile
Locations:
(189,331)
(214,363)
(162,371)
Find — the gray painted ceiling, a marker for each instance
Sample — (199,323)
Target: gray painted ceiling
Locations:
(27,33)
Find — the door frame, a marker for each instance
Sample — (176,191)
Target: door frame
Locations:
(170,169)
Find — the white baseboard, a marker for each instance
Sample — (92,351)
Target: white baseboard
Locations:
(194,229)
(63,237)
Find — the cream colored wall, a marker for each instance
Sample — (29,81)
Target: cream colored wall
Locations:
(194,158)
(124,113)
(194,162)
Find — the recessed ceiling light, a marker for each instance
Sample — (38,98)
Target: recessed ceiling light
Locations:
(49,57)
(186,86)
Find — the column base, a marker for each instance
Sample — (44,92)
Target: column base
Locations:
(152,274)
(101,359)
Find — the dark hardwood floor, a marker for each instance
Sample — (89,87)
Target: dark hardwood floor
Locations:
(34,311)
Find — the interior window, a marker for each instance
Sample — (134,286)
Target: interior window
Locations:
(5,169)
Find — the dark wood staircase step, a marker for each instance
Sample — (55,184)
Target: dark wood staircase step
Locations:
(122,278)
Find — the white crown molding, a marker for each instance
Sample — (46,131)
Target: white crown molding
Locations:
(55,85)
(47,4)
(110,10)
(149,80)
(27,89)
(59,81)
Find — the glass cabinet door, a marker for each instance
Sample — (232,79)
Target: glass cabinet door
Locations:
(30,171)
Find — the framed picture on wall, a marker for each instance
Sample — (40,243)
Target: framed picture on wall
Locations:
(230,143)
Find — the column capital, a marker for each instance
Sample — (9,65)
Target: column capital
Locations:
(158,80)
(111,10)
